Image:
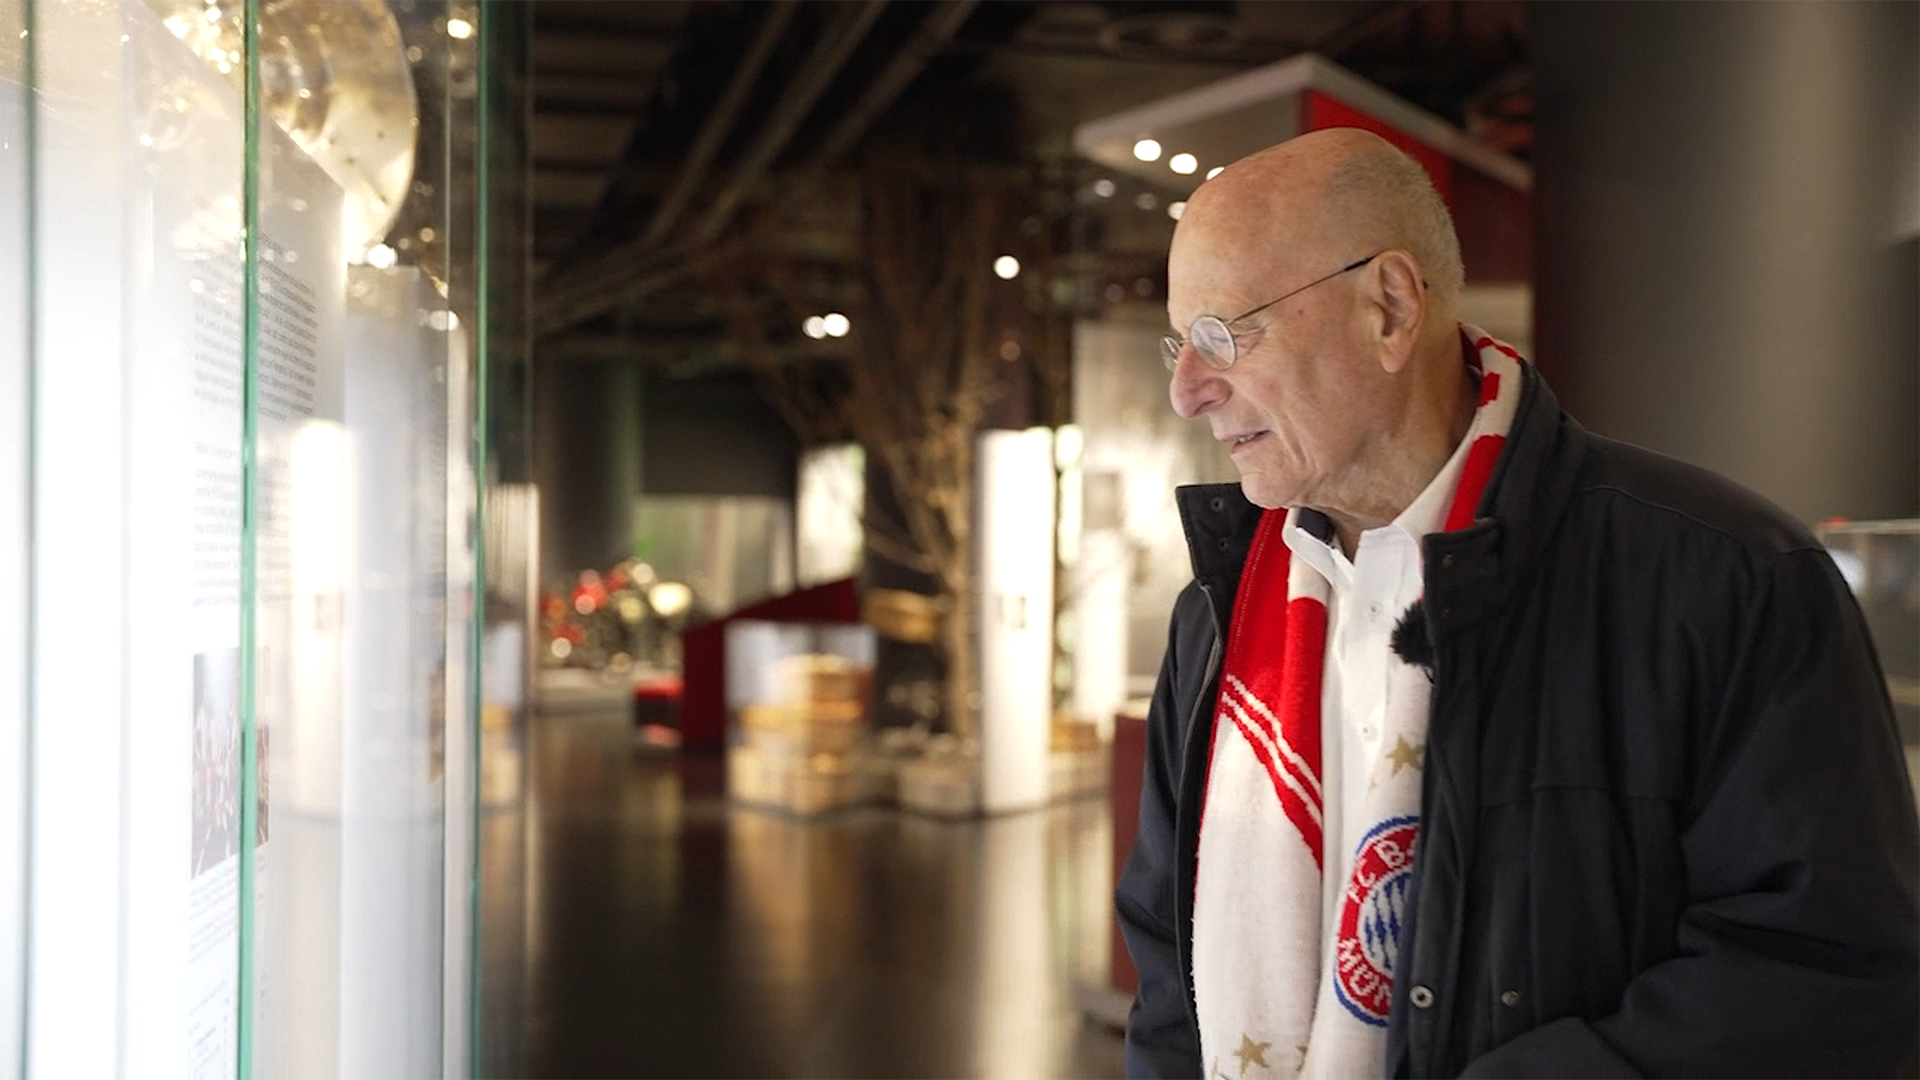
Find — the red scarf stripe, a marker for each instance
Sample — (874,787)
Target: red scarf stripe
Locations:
(1301,806)
(1267,724)
(1298,634)
(1486,342)
(1474,473)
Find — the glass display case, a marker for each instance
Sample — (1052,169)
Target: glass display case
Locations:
(799,710)
(1881,563)
(250,313)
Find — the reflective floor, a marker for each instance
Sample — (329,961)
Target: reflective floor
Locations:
(671,934)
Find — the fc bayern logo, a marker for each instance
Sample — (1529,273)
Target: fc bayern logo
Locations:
(1372,909)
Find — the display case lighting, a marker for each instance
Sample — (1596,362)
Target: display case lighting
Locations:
(1215,171)
(1103,187)
(836,324)
(1175,209)
(1183,163)
(1006,268)
(814,327)
(1147,150)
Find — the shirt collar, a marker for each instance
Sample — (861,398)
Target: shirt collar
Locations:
(1309,533)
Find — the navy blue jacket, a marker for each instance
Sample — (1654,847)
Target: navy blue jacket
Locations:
(1666,827)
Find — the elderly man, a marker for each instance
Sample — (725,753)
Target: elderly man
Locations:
(1483,744)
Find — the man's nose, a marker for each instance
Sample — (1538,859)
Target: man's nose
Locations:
(1195,385)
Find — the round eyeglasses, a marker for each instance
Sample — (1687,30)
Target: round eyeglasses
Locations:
(1212,336)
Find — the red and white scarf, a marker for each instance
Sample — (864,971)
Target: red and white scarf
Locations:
(1269,1001)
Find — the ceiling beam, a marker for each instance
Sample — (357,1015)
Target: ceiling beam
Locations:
(822,64)
(719,122)
(926,43)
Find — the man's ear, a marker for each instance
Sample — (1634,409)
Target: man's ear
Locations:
(1402,296)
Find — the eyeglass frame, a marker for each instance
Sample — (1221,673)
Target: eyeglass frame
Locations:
(1172,345)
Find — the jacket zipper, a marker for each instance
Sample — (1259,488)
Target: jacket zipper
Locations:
(1208,680)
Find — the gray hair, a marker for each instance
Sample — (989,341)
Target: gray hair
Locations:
(1391,191)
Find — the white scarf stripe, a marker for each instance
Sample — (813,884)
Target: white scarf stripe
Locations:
(1271,723)
(1282,754)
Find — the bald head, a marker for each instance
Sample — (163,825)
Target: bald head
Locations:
(1331,265)
(1331,194)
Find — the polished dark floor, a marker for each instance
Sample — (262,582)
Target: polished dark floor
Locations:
(670,933)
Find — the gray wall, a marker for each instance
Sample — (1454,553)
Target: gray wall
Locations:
(586,422)
(1726,245)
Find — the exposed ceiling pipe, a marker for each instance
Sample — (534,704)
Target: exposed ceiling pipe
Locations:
(925,44)
(719,122)
(815,75)
(1343,38)
(588,289)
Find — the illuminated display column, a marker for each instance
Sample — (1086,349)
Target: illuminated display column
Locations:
(15,470)
(1015,579)
(91,214)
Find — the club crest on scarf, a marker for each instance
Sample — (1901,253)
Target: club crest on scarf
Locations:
(1372,909)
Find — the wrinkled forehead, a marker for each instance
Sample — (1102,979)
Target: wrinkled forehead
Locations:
(1222,263)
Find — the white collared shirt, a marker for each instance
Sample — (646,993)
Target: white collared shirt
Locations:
(1369,595)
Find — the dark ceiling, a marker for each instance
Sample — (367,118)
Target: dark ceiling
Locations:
(673,139)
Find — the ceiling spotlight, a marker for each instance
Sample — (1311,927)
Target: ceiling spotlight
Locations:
(1175,209)
(1006,268)
(815,327)
(1184,164)
(1146,150)
(1216,171)
(459,29)
(1103,187)
(835,324)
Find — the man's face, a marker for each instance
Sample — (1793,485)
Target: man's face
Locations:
(1296,408)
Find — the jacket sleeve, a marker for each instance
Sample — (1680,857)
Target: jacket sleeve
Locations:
(1799,948)
(1161,1040)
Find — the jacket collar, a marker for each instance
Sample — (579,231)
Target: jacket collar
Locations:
(1219,523)
(1472,572)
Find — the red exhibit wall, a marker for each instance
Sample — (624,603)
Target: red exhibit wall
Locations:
(1494,221)
(1318,110)
(703,708)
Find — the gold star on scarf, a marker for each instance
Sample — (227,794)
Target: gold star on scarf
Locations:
(1251,1053)
(1404,755)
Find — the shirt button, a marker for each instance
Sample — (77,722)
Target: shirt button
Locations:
(1366,732)
(1421,997)
(1373,610)
(1510,999)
